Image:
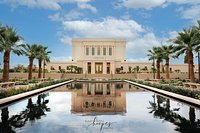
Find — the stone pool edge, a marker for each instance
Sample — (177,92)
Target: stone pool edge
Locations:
(186,99)
(8,100)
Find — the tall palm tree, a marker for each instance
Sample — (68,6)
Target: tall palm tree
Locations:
(8,44)
(39,56)
(185,42)
(31,52)
(42,56)
(156,53)
(167,50)
(197,38)
(152,55)
(46,58)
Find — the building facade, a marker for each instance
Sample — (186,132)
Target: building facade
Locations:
(105,56)
(98,97)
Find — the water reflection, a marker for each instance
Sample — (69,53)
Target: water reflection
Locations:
(128,108)
(161,110)
(32,112)
(98,97)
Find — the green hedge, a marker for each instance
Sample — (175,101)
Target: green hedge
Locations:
(10,92)
(178,90)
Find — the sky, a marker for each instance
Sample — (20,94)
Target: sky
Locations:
(142,23)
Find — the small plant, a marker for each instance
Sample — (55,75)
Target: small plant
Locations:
(171,88)
(33,81)
(12,91)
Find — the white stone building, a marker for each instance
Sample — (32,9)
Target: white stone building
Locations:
(105,56)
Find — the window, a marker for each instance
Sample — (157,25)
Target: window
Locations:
(98,51)
(104,51)
(110,51)
(93,51)
(52,68)
(108,67)
(88,90)
(108,89)
(89,67)
(59,68)
(87,51)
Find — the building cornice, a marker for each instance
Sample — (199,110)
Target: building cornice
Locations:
(98,40)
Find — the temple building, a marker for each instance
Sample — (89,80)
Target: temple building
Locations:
(98,97)
(105,56)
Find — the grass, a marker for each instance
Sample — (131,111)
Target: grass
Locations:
(10,92)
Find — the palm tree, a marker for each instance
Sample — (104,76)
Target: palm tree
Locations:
(156,53)
(8,44)
(186,43)
(31,52)
(42,56)
(152,56)
(46,58)
(197,49)
(167,51)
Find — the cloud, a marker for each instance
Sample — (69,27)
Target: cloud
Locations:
(189,8)
(140,45)
(192,12)
(191,2)
(87,6)
(46,4)
(140,4)
(139,39)
(108,27)
(173,34)
(149,4)
(66,40)
(73,14)
(60,58)
(56,17)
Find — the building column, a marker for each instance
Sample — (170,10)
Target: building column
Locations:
(92,87)
(104,67)
(112,89)
(112,68)
(104,89)
(85,68)
(84,89)
(92,67)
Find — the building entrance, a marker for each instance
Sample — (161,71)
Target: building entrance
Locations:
(99,68)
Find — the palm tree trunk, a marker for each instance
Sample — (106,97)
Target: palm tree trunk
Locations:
(191,66)
(192,116)
(30,67)
(6,61)
(158,69)
(167,68)
(168,105)
(43,69)
(5,127)
(40,68)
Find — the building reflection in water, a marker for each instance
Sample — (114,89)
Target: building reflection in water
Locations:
(99,97)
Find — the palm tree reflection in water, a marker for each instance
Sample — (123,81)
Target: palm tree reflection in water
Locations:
(31,113)
(162,110)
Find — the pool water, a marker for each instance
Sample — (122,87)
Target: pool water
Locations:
(99,107)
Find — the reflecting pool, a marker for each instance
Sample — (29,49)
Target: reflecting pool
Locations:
(99,107)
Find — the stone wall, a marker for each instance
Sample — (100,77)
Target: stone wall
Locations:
(89,76)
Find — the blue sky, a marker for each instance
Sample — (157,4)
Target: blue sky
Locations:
(53,23)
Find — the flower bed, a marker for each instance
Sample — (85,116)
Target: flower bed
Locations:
(10,92)
(171,88)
